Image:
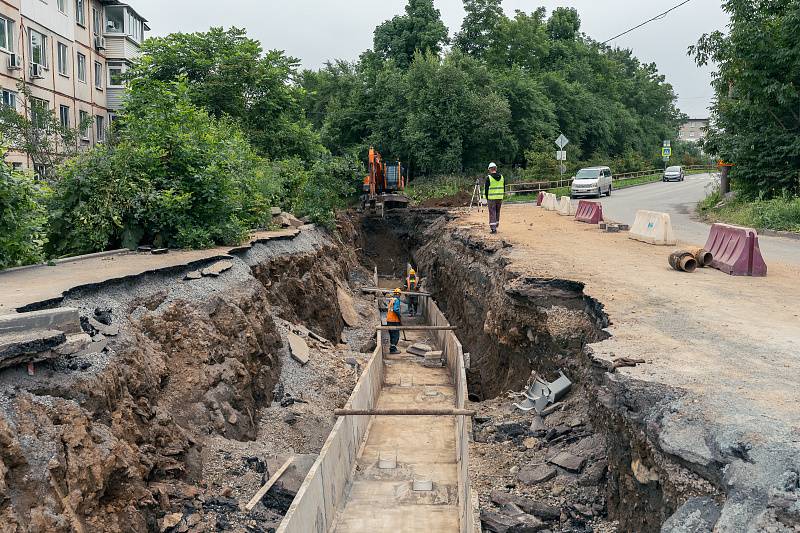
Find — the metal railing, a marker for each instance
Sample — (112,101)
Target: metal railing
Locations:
(545,185)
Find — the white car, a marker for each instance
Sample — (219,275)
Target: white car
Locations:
(593,181)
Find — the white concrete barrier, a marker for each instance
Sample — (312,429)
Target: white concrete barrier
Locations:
(566,207)
(652,227)
(550,202)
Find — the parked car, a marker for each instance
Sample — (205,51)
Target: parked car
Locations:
(673,174)
(593,181)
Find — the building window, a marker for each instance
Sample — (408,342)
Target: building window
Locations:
(9,98)
(80,12)
(17,167)
(63,114)
(98,75)
(116,72)
(101,128)
(63,59)
(115,20)
(38,48)
(39,109)
(81,67)
(39,171)
(84,125)
(6,34)
(96,21)
(62,6)
(135,27)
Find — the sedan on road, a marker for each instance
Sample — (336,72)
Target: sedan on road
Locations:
(673,174)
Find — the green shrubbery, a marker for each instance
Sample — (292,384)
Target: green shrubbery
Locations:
(781,213)
(22,218)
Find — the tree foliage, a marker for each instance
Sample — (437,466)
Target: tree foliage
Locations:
(420,30)
(228,74)
(508,83)
(23,218)
(756,112)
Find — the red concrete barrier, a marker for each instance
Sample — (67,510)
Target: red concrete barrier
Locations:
(735,251)
(589,212)
(539,199)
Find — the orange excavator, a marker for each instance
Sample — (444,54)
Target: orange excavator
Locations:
(383,185)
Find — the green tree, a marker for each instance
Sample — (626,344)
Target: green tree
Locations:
(564,24)
(420,30)
(229,74)
(480,26)
(23,218)
(756,111)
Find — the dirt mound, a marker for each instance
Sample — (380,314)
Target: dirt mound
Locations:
(459,199)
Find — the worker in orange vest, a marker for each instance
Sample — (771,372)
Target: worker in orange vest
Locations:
(393,319)
(412,283)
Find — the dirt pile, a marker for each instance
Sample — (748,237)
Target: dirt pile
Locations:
(155,432)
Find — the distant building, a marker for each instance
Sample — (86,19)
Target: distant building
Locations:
(693,130)
(72,55)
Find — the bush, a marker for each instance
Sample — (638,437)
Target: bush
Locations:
(22,218)
(780,214)
(171,175)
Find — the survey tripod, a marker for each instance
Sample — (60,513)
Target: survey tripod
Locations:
(477,197)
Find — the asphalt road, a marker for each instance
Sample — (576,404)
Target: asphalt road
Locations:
(679,200)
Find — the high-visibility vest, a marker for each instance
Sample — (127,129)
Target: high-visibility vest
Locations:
(497,188)
(391,314)
(411,283)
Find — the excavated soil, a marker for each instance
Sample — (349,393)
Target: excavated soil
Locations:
(180,419)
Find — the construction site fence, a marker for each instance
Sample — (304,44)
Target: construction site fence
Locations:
(324,490)
(539,186)
(453,353)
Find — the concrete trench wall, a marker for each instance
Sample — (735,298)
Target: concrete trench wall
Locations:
(323,492)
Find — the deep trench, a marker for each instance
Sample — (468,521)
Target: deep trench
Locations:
(513,325)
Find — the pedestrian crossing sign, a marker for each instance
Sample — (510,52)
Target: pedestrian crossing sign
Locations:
(666,151)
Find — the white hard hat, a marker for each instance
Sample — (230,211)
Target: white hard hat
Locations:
(492,165)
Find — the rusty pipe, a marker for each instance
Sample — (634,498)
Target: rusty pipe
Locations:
(682,261)
(703,256)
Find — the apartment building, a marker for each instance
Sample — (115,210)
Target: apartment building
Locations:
(693,130)
(72,55)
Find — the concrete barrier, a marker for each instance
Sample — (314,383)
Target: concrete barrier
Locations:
(566,207)
(589,212)
(325,487)
(539,199)
(652,227)
(735,250)
(549,201)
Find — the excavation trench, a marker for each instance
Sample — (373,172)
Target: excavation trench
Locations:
(590,464)
(198,400)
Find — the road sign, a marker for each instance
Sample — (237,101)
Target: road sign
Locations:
(666,152)
(561,155)
(666,143)
(561,142)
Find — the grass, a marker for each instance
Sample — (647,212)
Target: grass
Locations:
(423,189)
(777,214)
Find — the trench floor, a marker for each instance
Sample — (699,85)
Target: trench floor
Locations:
(382,500)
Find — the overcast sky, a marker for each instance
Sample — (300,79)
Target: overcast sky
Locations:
(318,30)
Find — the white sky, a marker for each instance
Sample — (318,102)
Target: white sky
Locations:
(318,30)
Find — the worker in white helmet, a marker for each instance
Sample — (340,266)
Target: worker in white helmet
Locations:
(495,191)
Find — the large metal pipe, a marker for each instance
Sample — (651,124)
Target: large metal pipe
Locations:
(703,256)
(682,261)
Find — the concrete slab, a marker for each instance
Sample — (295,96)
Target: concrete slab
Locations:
(348,310)
(298,348)
(25,346)
(65,319)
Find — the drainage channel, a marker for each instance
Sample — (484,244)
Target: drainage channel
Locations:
(387,472)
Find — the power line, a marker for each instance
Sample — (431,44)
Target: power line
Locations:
(657,17)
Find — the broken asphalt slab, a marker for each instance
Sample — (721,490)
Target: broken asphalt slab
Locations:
(298,348)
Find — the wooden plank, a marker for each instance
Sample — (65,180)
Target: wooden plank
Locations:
(416,328)
(268,485)
(403,412)
(369,290)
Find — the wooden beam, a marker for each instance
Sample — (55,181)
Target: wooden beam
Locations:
(404,412)
(268,485)
(416,328)
(389,291)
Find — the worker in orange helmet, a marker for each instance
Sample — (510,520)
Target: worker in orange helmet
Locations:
(412,283)
(393,319)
